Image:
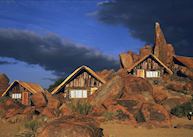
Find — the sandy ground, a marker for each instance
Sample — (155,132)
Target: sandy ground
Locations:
(112,129)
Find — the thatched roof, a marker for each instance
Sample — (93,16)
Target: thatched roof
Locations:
(154,57)
(31,87)
(90,71)
(187,61)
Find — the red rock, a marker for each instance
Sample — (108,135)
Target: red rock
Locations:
(132,103)
(173,101)
(106,74)
(13,111)
(162,50)
(53,103)
(38,100)
(9,102)
(189,86)
(4,83)
(156,115)
(137,85)
(65,111)
(126,60)
(187,61)
(146,50)
(159,94)
(50,113)
(108,92)
(28,110)
(72,127)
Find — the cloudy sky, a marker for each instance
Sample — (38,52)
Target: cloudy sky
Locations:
(41,40)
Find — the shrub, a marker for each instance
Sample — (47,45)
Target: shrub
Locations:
(139,117)
(32,125)
(182,110)
(81,107)
(121,115)
(109,115)
(3,99)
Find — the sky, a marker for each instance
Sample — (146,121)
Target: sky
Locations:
(42,40)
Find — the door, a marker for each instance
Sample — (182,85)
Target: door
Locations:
(141,73)
(25,98)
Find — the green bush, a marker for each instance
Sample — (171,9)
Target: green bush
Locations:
(121,115)
(81,107)
(182,110)
(109,115)
(139,117)
(32,125)
(3,99)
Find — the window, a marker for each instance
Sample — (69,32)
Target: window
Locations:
(16,95)
(78,93)
(152,74)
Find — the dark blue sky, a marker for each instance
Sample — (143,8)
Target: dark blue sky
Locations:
(71,20)
(41,40)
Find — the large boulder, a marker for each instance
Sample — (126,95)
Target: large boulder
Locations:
(155,115)
(146,50)
(49,112)
(136,85)
(72,127)
(159,94)
(173,101)
(126,59)
(108,92)
(106,74)
(132,103)
(4,83)
(53,102)
(65,110)
(39,100)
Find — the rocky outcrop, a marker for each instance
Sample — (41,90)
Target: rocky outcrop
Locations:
(146,50)
(126,59)
(106,74)
(4,83)
(72,127)
(162,50)
(156,115)
(39,100)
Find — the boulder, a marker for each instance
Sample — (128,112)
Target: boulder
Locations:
(155,115)
(159,94)
(173,101)
(28,110)
(53,103)
(4,83)
(132,103)
(64,110)
(12,111)
(136,85)
(38,100)
(162,50)
(72,127)
(50,113)
(108,92)
(146,50)
(126,59)
(106,74)
(189,86)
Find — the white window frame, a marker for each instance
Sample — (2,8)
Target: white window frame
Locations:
(78,93)
(16,96)
(152,74)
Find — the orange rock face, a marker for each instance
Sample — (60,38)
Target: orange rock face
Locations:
(156,115)
(4,83)
(146,50)
(72,127)
(126,60)
(38,100)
